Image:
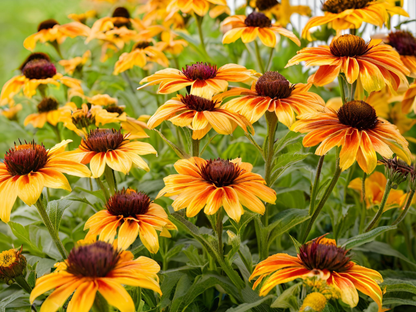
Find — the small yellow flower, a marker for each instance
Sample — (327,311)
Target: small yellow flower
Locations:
(75,63)
(12,265)
(314,302)
(47,112)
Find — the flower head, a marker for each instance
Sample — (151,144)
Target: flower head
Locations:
(320,258)
(47,112)
(12,265)
(199,7)
(96,267)
(397,170)
(405,44)
(314,302)
(75,63)
(373,64)
(11,112)
(215,183)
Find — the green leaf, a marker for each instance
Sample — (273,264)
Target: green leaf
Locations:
(398,285)
(284,162)
(289,138)
(181,154)
(56,209)
(366,237)
(284,301)
(248,306)
(5,302)
(295,243)
(22,233)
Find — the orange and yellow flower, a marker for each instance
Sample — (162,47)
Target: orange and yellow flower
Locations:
(102,100)
(83,17)
(199,7)
(350,14)
(198,76)
(11,112)
(51,31)
(409,99)
(133,214)
(96,267)
(273,92)
(373,65)
(321,259)
(77,62)
(170,45)
(358,130)
(47,112)
(28,168)
(405,44)
(215,183)
(256,24)
(105,147)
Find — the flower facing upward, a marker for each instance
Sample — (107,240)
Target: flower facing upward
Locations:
(47,112)
(350,14)
(200,7)
(217,183)
(273,92)
(256,24)
(134,214)
(358,130)
(96,267)
(108,147)
(320,258)
(373,64)
(405,44)
(28,168)
(200,114)
(197,76)
(12,265)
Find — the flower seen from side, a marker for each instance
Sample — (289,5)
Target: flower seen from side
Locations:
(47,112)
(76,63)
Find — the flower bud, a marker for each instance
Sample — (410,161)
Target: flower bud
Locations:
(313,302)
(12,265)
(397,170)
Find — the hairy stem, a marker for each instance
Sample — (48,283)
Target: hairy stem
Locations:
(21,281)
(405,210)
(195,147)
(315,185)
(364,204)
(258,56)
(380,211)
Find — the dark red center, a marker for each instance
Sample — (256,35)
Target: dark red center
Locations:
(257,19)
(39,69)
(200,71)
(274,85)
(403,41)
(220,172)
(128,203)
(47,104)
(198,103)
(358,114)
(114,109)
(102,140)
(25,158)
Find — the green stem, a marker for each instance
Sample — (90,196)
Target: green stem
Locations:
(100,304)
(102,186)
(111,180)
(364,204)
(195,147)
(258,56)
(349,177)
(129,82)
(315,185)
(321,204)
(406,208)
(57,48)
(380,211)
(57,133)
(55,236)
(21,281)
(42,90)
(341,88)
(218,229)
(269,62)
(201,34)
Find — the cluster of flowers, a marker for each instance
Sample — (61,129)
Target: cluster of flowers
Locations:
(371,75)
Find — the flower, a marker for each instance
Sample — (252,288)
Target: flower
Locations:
(217,10)
(82,17)
(102,100)
(321,258)
(197,76)
(373,64)
(200,114)
(108,147)
(405,44)
(199,7)
(216,183)
(11,112)
(96,267)
(133,214)
(314,302)
(37,70)
(135,126)
(409,99)
(350,14)
(400,119)
(28,168)
(358,130)
(397,171)
(273,92)
(255,24)
(375,186)
(51,31)
(170,45)
(284,10)
(12,265)
(47,112)
(75,63)
(141,53)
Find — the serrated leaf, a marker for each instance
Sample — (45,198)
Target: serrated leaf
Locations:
(367,237)
(56,209)
(283,301)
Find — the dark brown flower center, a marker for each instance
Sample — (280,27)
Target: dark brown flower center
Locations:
(200,71)
(257,19)
(39,69)
(103,140)
(82,120)
(348,45)
(34,56)
(128,203)
(198,103)
(274,85)
(321,255)
(220,172)
(95,260)
(48,24)
(358,114)
(47,104)
(25,158)
(115,109)
(141,45)
(122,17)
(403,41)
(121,12)
(263,5)
(339,6)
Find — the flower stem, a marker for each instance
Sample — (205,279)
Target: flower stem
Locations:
(57,133)
(364,204)
(102,186)
(218,229)
(21,281)
(201,34)
(341,88)
(56,46)
(100,304)
(321,204)
(349,177)
(195,147)
(111,180)
(55,236)
(269,62)
(380,211)
(406,208)
(258,56)
(315,185)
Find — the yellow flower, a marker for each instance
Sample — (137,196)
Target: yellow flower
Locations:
(217,10)
(135,126)
(133,214)
(77,62)
(96,267)
(82,17)
(284,10)
(313,302)
(47,112)
(199,7)
(28,168)
(11,112)
(12,265)
(405,44)
(102,100)
(169,44)
(400,119)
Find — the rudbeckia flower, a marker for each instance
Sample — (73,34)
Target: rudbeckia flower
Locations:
(47,112)
(358,130)
(375,186)
(350,14)
(215,183)
(201,114)
(11,112)
(75,63)
(217,10)
(133,214)
(170,45)
(51,31)
(199,7)
(37,70)
(409,99)
(12,265)
(283,11)
(321,258)
(373,64)
(405,44)
(197,76)
(82,17)
(28,168)
(96,267)
(102,100)
(105,147)
(141,53)
(273,92)
(256,24)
